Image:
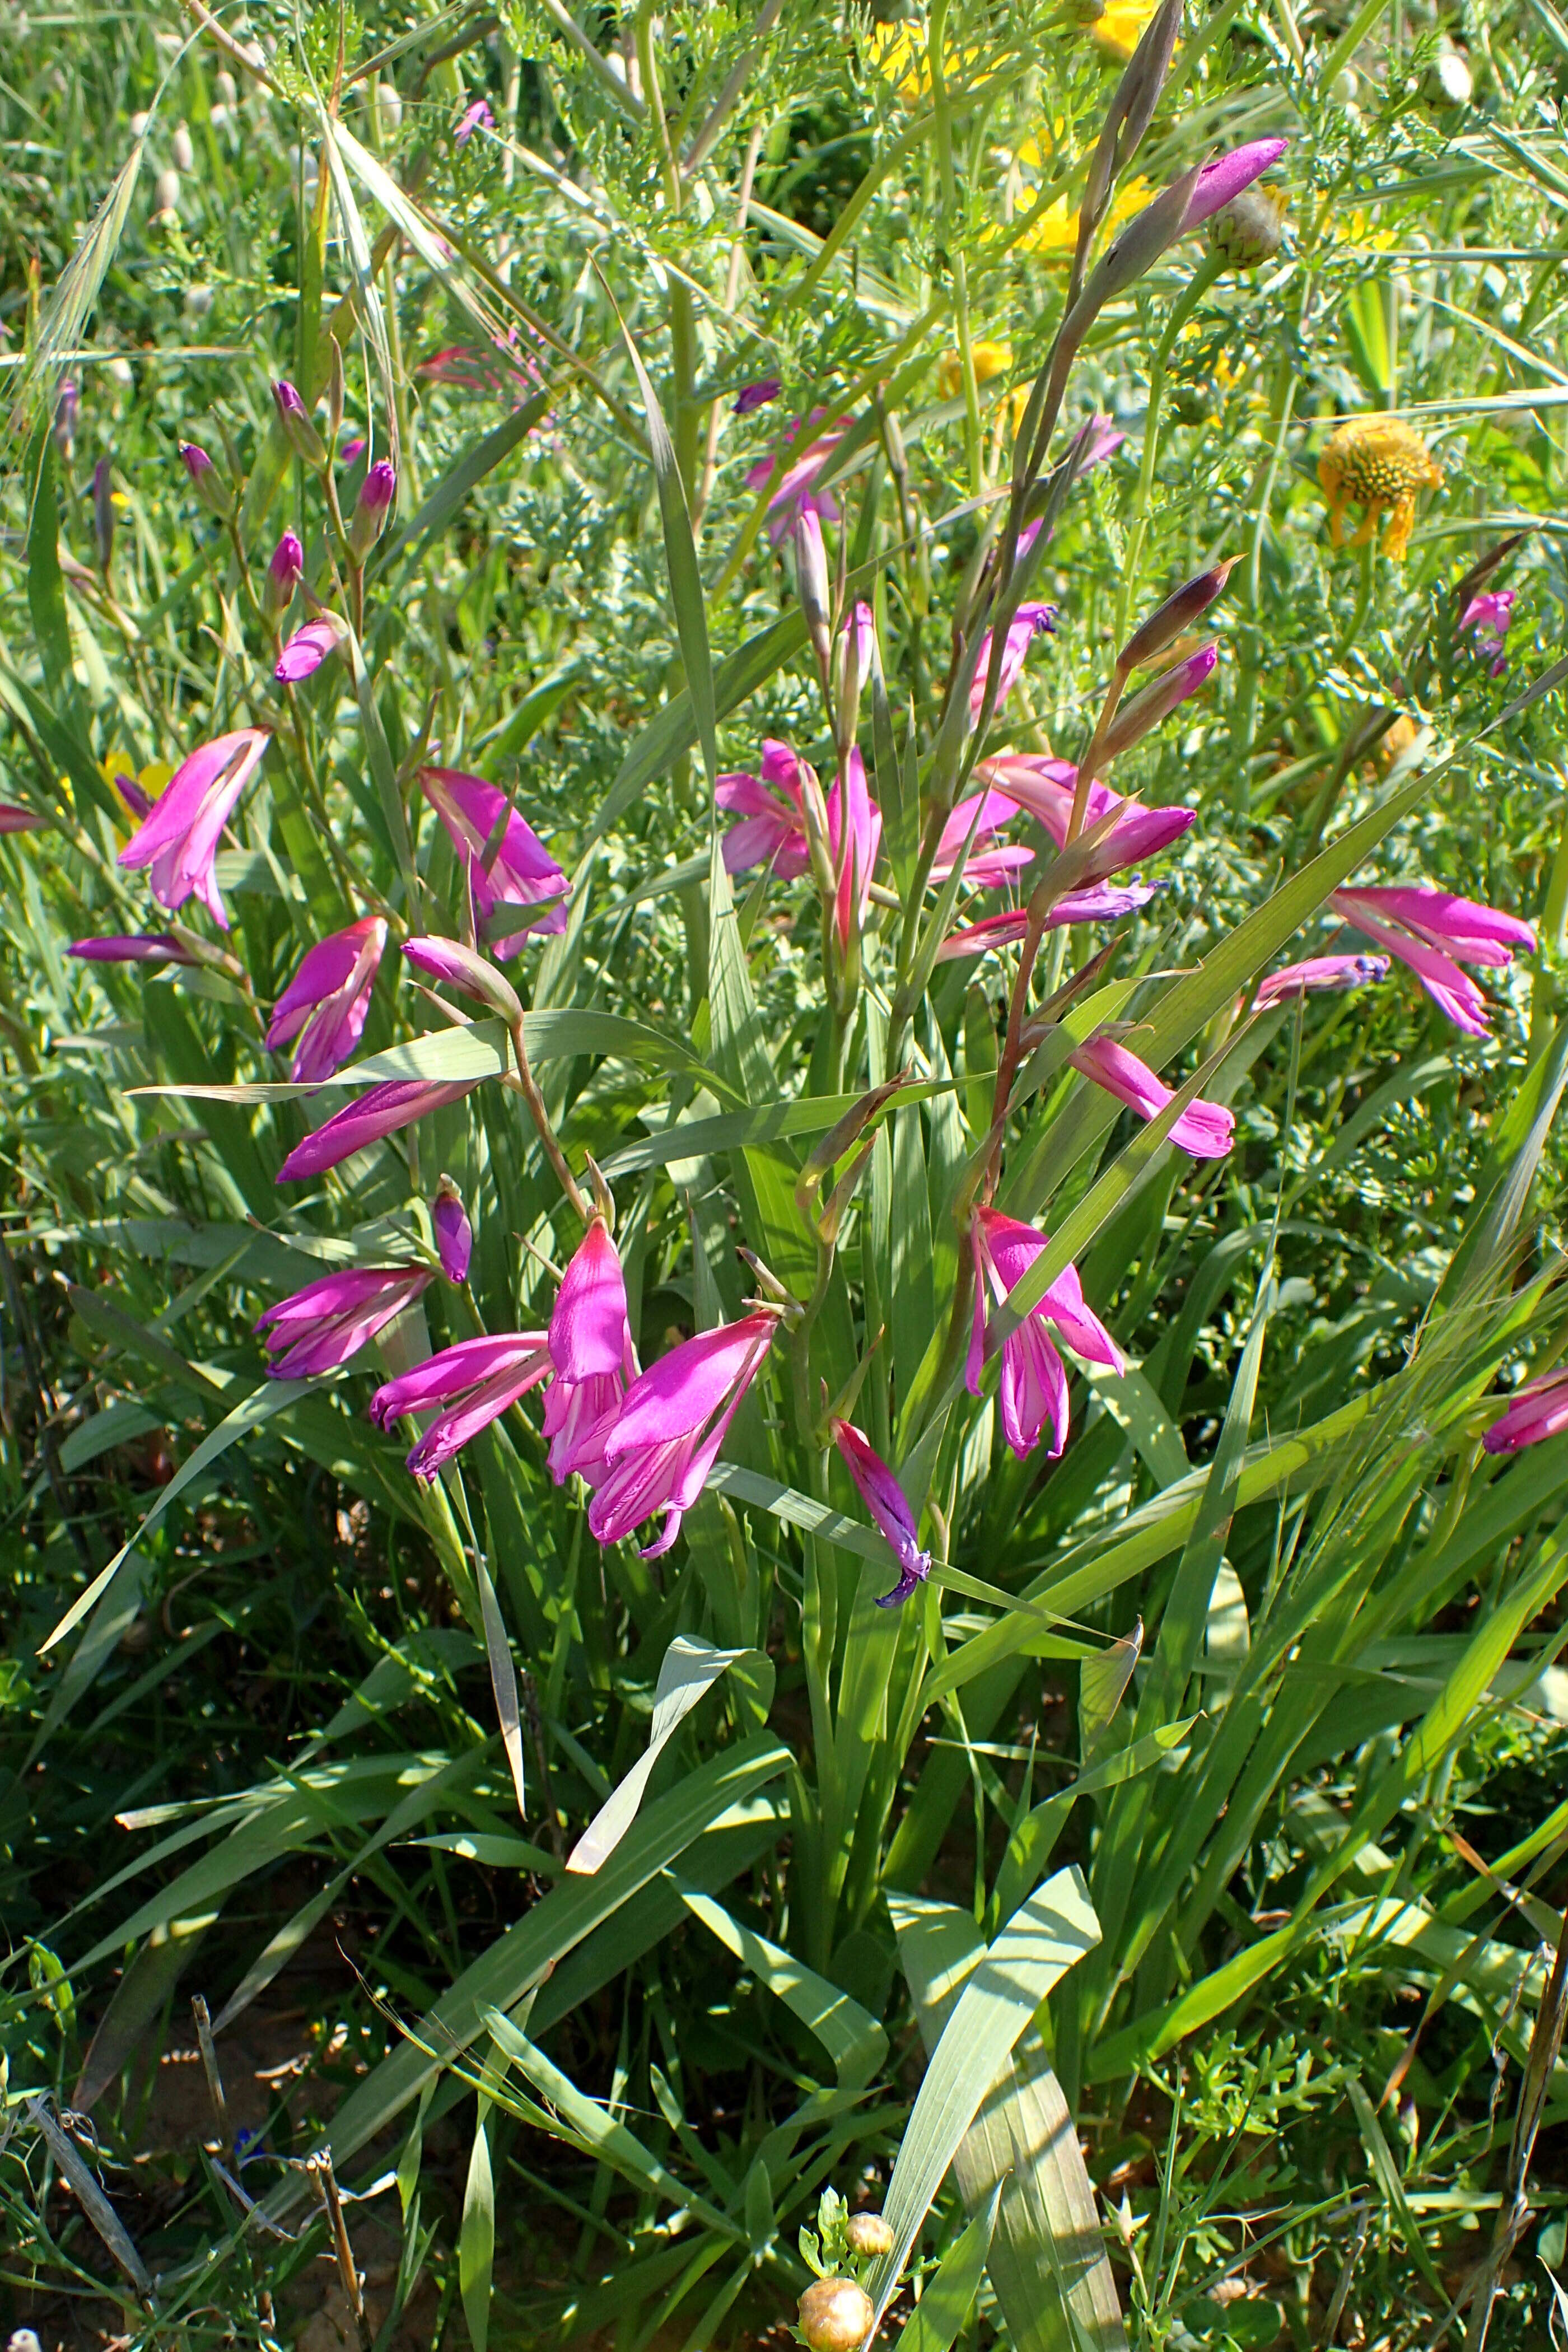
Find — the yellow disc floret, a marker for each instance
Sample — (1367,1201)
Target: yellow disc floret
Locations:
(1377,464)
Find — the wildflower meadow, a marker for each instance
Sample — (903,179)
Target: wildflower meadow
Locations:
(784,1009)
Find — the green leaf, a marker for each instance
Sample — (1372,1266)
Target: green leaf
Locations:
(476,2238)
(446,503)
(938,2318)
(688,1668)
(1033,1952)
(46,583)
(852,2038)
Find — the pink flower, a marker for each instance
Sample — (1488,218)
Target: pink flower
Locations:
(379,1111)
(1433,933)
(1317,972)
(325,1004)
(284,569)
(148,947)
(757,394)
(478,118)
(473,1383)
(331,1320)
(990,863)
(1102,904)
(1489,614)
(17,819)
(1046,787)
(1538,1409)
(1021,630)
(591,1348)
(888,1505)
(1034,1386)
(355,447)
(1226,177)
(674,1418)
(454,1234)
(773,826)
(795,492)
(179,840)
(309,646)
(853,847)
(376,493)
(520,873)
(1206,1130)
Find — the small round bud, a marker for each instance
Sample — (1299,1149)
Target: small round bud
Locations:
(205,480)
(139,125)
(182,153)
(1447,81)
(1246,232)
(166,192)
(224,83)
(868,2234)
(834,2315)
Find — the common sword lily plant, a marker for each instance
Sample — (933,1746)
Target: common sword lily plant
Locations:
(736,897)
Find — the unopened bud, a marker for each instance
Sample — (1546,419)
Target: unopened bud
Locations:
(182,153)
(224,83)
(139,122)
(1180,610)
(298,430)
(377,492)
(68,408)
(166,192)
(834,2315)
(858,659)
(454,1234)
(1248,230)
(868,2233)
(448,960)
(138,802)
(205,480)
(284,572)
(811,584)
(1145,709)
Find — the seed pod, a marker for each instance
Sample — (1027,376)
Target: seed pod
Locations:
(868,2233)
(1248,232)
(182,153)
(834,2315)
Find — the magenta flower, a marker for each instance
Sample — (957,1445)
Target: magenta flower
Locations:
(376,493)
(990,863)
(14,818)
(284,569)
(1433,933)
(325,1004)
(1538,1409)
(379,1111)
(331,1320)
(466,969)
(1489,614)
(1044,788)
(1034,1385)
(295,419)
(1104,903)
(1206,1130)
(795,492)
(454,1234)
(853,845)
(521,873)
(1021,630)
(198,465)
(471,1384)
(667,1436)
(150,947)
(309,646)
(1225,178)
(179,840)
(1339,972)
(478,118)
(354,446)
(888,1505)
(591,1348)
(772,807)
(757,394)
(139,802)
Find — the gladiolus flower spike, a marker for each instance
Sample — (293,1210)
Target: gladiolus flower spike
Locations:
(674,1418)
(888,1505)
(331,1320)
(179,840)
(1033,1387)
(1317,972)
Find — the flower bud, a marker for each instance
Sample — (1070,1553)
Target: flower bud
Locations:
(102,513)
(858,659)
(224,83)
(1247,233)
(1180,610)
(377,492)
(868,2234)
(67,409)
(811,583)
(309,646)
(166,193)
(298,430)
(182,153)
(139,802)
(139,122)
(454,1234)
(834,2315)
(284,573)
(1145,709)
(448,960)
(205,480)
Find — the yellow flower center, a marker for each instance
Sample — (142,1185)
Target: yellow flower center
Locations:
(1379,464)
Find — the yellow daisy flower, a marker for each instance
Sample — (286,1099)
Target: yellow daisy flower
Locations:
(1378,464)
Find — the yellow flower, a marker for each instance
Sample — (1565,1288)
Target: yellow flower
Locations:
(1053,234)
(1121,26)
(991,359)
(1378,464)
(900,54)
